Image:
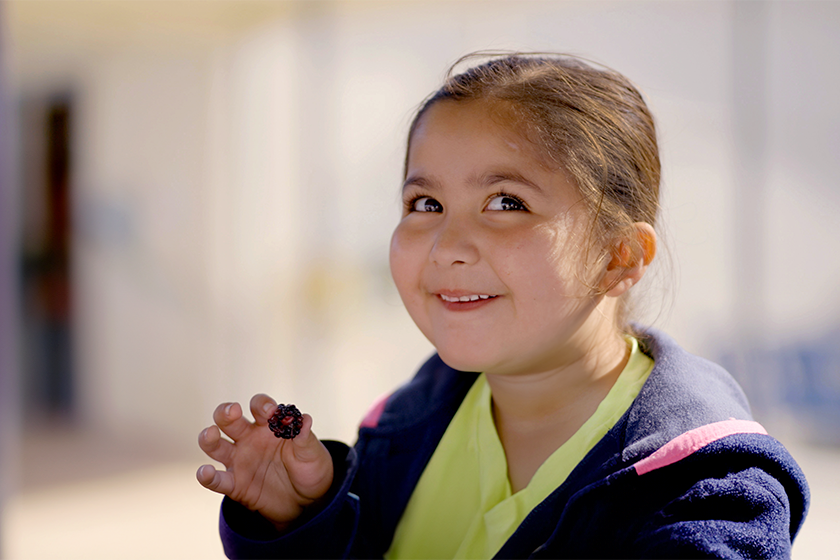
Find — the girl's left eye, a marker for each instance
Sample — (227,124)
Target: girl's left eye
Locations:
(505,202)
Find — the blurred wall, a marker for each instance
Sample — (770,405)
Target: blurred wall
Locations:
(237,168)
(9,238)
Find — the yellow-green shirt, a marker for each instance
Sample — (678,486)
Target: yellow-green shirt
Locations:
(462,506)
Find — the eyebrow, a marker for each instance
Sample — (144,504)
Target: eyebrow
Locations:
(485,180)
(510,176)
(419,181)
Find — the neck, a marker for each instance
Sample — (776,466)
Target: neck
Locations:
(590,362)
(537,411)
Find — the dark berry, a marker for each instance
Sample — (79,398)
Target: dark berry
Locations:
(286,421)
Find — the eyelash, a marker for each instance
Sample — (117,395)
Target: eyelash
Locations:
(518,200)
(409,205)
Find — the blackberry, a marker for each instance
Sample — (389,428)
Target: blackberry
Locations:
(286,421)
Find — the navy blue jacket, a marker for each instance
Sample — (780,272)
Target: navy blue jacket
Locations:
(684,473)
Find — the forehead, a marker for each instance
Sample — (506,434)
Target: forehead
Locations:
(464,124)
(458,143)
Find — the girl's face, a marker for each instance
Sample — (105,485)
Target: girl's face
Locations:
(487,255)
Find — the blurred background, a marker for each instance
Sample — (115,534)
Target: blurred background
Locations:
(197,200)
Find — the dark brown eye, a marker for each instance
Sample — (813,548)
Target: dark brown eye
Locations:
(426,204)
(503,202)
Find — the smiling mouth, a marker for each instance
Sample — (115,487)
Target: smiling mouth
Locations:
(473,297)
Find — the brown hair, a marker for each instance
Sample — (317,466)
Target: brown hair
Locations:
(590,121)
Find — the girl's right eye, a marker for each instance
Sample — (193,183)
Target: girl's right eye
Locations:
(425,204)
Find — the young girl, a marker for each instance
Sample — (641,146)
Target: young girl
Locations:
(530,198)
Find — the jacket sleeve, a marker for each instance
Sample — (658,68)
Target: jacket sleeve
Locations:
(743,515)
(326,533)
(749,502)
(742,497)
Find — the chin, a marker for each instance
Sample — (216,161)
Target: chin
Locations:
(458,359)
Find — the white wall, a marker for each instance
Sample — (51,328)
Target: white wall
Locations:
(236,193)
(140,267)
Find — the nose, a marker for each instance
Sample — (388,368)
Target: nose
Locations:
(454,244)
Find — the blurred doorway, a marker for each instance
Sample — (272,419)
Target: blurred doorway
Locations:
(46,314)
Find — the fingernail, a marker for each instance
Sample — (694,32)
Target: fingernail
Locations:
(227,409)
(268,408)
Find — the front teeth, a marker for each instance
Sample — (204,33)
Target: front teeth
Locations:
(465,298)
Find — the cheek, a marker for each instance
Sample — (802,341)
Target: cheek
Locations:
(566,243)
(404,259)
(407,259)
(547,264)
(513,252)
(395,258)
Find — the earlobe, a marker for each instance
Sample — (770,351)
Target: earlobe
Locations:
(630,257)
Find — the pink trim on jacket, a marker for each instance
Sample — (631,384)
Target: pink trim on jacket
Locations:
(371,419)
(682,446)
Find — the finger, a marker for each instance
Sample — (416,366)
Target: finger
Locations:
(262,407)
(210,441)
(228,416)
(306,445)
(217,481)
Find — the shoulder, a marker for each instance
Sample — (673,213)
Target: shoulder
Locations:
(684,392)
(740,495)
(692,450)
(396,441)
(435,391)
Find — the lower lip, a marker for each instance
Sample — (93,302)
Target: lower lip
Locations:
(466,305)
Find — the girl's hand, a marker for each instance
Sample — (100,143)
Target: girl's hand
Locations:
(276,477)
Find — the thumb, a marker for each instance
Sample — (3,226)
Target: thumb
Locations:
(306,446)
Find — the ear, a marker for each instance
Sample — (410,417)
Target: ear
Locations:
(631,255)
